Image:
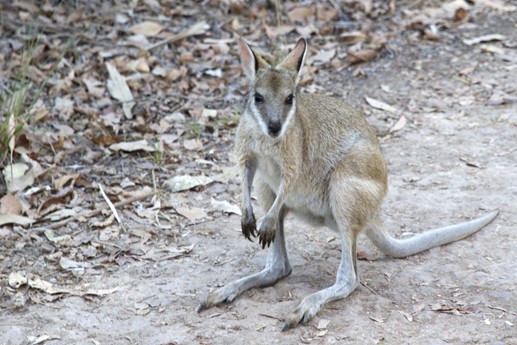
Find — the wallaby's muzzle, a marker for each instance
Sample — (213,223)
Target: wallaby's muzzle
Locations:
(274,128)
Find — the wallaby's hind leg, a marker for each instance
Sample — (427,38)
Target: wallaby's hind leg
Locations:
(346,282)
(277,263)
(345,196)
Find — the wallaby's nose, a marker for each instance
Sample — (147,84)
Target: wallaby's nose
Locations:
(274,128)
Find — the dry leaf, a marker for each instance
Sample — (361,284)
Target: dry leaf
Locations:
(170,253)
(186,182)
(366,256)
(362,55)
(18,176)
(498,5)
(227,174)
(131,146)
(275,31)
(380,105)
(45,286)
(71,265)
(16,279)
(60,182)
(491,48)
(326,14)
(61,214)
(353,37)
(401,123)
(159,71)
(15,219)
(65,240)
(58,198)
(193,144)
(9,204)
(323,323)
(95,87)
(323,56)
(64,107)
(209,113)
(148,29)
(141,308)
(225,207)
(191,213)
(140,65)
(118,89)
(41,339)
(300,14)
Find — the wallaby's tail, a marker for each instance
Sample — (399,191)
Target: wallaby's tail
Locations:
(400,248)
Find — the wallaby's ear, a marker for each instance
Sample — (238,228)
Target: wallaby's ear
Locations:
(250,62)
(294,60)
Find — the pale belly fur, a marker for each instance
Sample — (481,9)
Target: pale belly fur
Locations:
(309,204)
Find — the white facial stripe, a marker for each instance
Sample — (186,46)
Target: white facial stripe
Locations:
(289,118)
(255,113)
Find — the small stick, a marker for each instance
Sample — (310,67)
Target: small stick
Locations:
(110,204)
(94,212)
(497,308)
(369,288)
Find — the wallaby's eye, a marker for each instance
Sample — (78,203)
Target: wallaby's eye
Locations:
(289,99)
(259,98)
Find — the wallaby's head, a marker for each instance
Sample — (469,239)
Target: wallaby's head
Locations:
(272,95)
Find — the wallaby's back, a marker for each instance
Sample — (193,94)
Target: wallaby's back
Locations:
(334,131)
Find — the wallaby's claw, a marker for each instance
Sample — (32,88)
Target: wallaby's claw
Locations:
(249,226)
(201,306)
(266,237)
(267,231)
(286,326)
(305,312)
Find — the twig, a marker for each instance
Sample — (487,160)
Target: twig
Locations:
(369,288)
(271,317)
(196,29)
(94,212)
(110,204)
(497,308)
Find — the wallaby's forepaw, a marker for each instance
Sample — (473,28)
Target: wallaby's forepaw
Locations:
(305,312)
(267,232)
(249,225)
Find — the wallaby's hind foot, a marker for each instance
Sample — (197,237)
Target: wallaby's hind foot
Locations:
(277,267)
(226,294)
(346,282)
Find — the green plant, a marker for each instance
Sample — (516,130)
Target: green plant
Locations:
(18,94)
(15,107)
(158,155)
(196,129)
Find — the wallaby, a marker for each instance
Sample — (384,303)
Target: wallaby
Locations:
(316,157)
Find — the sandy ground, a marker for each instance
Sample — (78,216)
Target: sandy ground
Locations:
(455,159)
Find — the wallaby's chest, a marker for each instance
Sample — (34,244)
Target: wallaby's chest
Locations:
(269,167)
(308,200)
